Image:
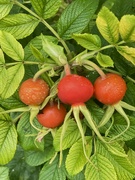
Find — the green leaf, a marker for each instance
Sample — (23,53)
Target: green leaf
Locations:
(46,8)
(4,173)
(104,60)
(11,46)
(100,168)
(15,75)
(123,167)
(123,7)
(19,169)
(88,41)
(8,141)
(37,43)
(12,102)
(27,133)
(76,17)
(127,52)
(52,171)
(108,25)
(76,159)
(120,125)
(55,51)
(127,28)
(71,135)
(130,94)
(19,25)
(36,158)
(5,7)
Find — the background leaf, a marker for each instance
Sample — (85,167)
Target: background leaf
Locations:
(27,133)
(19,169)
(88,41)
(46,8)
(15,76)
(108,25)
(5,7)
(12,102)
(78,11)
(52,171)
(37,157)
(99,171)
(19,25)
(11,47)
(122,7)
(120,126)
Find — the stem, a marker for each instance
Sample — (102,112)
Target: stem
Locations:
(89,54)
(107,115)
(33,113)
(76,115)
(131,79)
(18,117)
(121,111)
(40,72)
(45,23)
(64,126)
(22,109)
(96,67)
(107,131)
(127,106)
(67,69)
(42,134)
(92,124)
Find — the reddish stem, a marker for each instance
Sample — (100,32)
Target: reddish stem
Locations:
(67,69)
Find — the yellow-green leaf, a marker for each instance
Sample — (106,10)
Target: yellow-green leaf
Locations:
(8,141)
(4,173)
(127,52)
(127,28)
(88,41)
(100,168)
(20,25)
(5,7)
(2,59)
(104,60)
(3,78)
(11,46)
(76,158)
(15,75)
(108,25)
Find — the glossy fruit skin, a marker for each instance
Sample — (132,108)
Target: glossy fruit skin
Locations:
(52,115)
(74,89)
(33,92)
(111,89)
